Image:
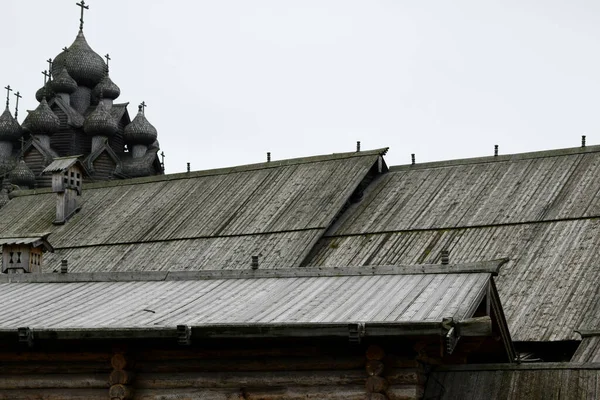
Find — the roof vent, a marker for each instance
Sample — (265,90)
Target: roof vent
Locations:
(24,254)
(67,183)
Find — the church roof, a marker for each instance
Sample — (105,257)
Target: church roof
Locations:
(540,210)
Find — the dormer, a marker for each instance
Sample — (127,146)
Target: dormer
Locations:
(67,183)
(24,254)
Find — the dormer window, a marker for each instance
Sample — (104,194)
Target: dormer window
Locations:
(24,254)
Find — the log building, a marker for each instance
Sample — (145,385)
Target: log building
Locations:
(327,277)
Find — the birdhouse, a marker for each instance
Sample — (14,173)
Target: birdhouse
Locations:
(24,254)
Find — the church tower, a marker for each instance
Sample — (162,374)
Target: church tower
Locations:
(78,116)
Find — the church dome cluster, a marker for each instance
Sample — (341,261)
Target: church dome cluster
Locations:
(77,116)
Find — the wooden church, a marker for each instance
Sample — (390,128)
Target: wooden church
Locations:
(326,277)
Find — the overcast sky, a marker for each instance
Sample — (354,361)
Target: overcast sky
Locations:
(226,81)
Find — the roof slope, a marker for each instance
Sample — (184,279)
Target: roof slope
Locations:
(539,210)
(527,381)
(277,210)
(588,350)
(218,297)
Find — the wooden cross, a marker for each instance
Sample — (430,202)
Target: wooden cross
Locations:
(83,7)
(8,90)
(18,95)
(46,76)
(22,140)
(162,162)
(65,49)
(107,56)
(49,61)
(143,106)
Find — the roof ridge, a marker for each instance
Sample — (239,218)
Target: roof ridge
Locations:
(501,158)
(219,171)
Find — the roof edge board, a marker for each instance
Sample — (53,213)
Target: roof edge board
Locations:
(241,330)
(485,267)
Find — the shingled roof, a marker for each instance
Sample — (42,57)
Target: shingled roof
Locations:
(540,210)
(198,220)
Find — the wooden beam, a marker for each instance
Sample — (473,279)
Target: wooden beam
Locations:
(486,267)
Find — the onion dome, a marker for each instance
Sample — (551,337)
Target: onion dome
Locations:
(140,131)
(63,83)
(22,175)
(45,90)
(82,63)
(100,122)
(107,89)
(42,120)
(10,130)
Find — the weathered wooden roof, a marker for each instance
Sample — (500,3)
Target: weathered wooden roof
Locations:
(220,299)
(589,349)
(275,210)
(568,381)
(539,210)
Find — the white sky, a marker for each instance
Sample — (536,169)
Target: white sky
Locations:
(226,81)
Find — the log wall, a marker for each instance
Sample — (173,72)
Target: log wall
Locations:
(250,373)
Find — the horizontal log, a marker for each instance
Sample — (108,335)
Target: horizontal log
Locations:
(60,367)
(67,381)
(250,379)
(404,376)
(405,392)
(480,326)
(255,364)
(54,357)
(54,394)
(237,353)
(122,361)
(289,393)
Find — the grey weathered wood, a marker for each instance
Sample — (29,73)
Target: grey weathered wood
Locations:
(490,267)
(480,326)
